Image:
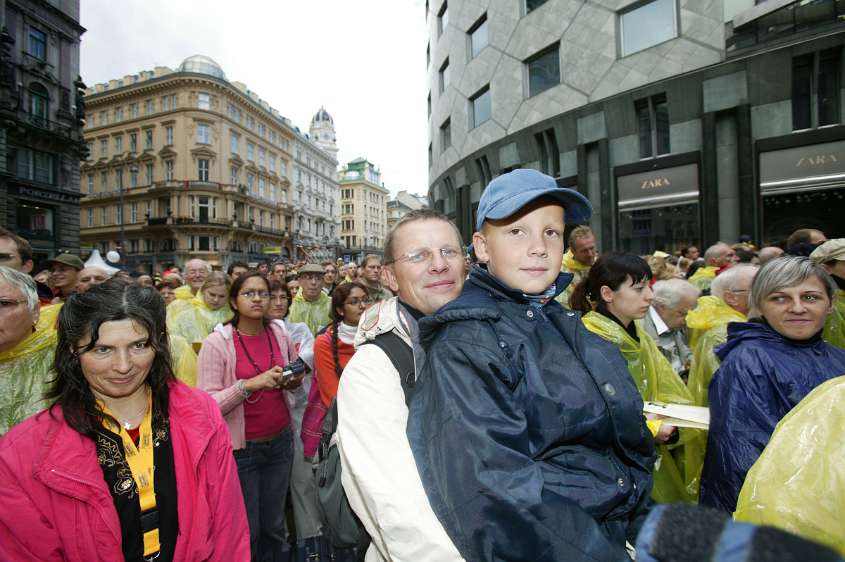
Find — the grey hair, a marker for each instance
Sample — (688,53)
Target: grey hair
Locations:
(205,263)
(669,292)
(726,281)
(713,252)
(22,282)
(788,271)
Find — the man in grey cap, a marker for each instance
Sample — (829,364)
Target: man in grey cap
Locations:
(310,304)
(527,430)
(831,255)
(64,275)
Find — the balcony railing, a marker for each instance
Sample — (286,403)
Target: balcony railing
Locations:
(796,17)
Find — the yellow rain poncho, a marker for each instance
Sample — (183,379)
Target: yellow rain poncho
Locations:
(708,327)
(184,360)
(798,482)
(834,327)
(703,276)
(182,302)
(315,315)
(579,272)
(656,381)
(194,323)
(25,371)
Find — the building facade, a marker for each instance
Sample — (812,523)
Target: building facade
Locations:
(42,115)
(363,210)
(316,223)
(684,121)
(402,204)
(186,164)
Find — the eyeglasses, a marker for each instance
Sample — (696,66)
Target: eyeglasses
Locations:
(311,277)
(7,257)
(263,295)
(358,302)
(425,255)
(280,298)
(7,305)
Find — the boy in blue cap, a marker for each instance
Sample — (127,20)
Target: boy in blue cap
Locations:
(526,428)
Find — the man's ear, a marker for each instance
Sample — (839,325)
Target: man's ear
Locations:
(27,266)
(388,278)
(479,246)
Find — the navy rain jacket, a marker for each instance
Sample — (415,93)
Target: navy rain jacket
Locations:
(762,376)
(528,431)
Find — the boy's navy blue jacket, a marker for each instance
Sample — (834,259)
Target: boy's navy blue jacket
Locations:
(527,430)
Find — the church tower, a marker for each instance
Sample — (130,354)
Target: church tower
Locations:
(322,132)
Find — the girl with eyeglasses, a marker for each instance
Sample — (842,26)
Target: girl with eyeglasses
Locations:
(335,346)
(241,365)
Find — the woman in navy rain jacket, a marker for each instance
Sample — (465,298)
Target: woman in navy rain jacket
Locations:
(767,367)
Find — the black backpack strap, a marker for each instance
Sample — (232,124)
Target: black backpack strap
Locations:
(402,356)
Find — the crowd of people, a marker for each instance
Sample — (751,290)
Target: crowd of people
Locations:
(179,416)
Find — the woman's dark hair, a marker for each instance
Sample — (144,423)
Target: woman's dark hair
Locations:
(613,270)
(694,266)
(339,296)
(81,316)
(276,285)
(235,290)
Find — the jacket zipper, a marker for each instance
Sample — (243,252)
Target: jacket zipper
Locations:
(90,484)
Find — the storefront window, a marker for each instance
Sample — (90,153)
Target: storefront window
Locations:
(665,228)
(785,213)
(35,222)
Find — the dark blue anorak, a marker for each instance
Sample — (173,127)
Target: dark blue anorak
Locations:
(528,431)
(762,376)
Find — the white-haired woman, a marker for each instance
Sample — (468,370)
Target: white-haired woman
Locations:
(768,365)
(27,345)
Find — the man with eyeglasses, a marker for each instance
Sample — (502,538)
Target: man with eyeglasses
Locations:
(371,278)
(310,304)
(16,253)
(424,266)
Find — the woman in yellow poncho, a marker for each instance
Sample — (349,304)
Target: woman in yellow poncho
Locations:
(798,482)
(208,309)
(831,255)
(27,345)
(618,288)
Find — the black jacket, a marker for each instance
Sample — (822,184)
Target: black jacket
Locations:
(528,431)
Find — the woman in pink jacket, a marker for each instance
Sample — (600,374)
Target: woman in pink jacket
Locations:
(242,364)
(127,463)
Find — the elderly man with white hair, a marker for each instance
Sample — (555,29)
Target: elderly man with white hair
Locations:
(666,321)
(89,276)
(196,272)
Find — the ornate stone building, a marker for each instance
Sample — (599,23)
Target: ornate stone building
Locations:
(41,113)
(186,164)
(363,212)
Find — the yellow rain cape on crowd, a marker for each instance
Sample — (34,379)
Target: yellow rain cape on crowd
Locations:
(194,323)
(315,314)
(834,327)
(579,272)
(656,381)
(703,276)
(798,483)
(26,369)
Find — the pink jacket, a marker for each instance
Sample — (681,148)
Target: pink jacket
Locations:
(216,375)
(57,506)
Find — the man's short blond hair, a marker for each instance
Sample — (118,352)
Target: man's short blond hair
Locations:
(579,232)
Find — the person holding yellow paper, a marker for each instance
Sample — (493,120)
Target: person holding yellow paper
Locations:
(616,294)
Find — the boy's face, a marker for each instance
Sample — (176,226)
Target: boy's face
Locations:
(524,250)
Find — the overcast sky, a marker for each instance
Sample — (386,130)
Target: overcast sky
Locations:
(364,60)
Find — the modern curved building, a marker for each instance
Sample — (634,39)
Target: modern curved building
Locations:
(683,121)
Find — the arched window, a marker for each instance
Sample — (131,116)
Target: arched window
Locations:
(39,104)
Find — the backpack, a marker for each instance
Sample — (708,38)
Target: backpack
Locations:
(340,524)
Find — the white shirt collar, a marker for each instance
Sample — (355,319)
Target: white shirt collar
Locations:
(659,325)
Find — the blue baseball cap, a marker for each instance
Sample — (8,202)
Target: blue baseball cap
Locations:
(510,192)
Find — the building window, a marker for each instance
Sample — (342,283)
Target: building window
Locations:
(91,183)
(202,133)
(39,104)
(445,135)
(653,125)
(104,215)
(647,25)
(168,170)
(148,138)
(261,187)
(37,43)
(543,70)
(234,175)
(444,75)
(442,18)
(202,172)
(168,135)
(148,174)
(90,213)
(133,214)
(133,142)
(104,182)
(531,5)
(261,155)
(815,89)
(484,170)
(165,103)
(118,178)
(118,145)
(119,214)
(480,107)
(234,143)
(478,36)
(133,176)
(149,107)
(35,165)
(104,148)
(133,110)
(250,183)
(104,118)
(118,114)
(271,159)
(548,152)
(250,152)
(203,101)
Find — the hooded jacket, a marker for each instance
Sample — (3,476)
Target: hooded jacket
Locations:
(57,506)
(528,430)
(761,378)
(315,315)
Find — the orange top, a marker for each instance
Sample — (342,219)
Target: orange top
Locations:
(324,365)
